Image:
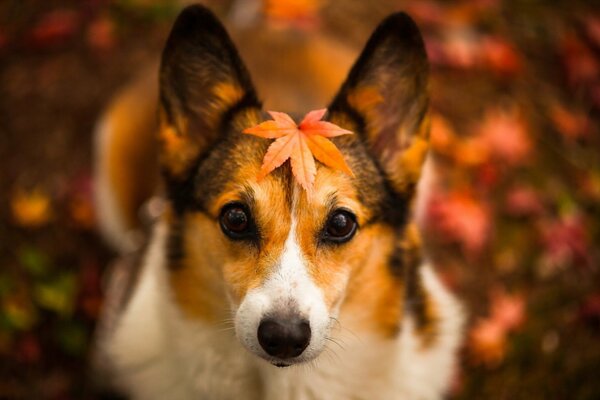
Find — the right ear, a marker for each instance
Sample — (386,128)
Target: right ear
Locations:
(203,84)
(385,101)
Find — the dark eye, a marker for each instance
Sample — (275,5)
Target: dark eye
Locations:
(341,226)
(235,221)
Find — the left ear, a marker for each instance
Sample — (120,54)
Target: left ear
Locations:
(385,99)
(203,86)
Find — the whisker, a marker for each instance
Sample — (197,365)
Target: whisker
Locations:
(332,354)
(337,322)
(227,329)
(332,340)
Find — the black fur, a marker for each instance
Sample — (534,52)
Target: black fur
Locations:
(394,62)
(198,53)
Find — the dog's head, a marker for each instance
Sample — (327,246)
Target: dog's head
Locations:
(280,260)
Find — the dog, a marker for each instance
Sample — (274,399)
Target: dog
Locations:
(258,289)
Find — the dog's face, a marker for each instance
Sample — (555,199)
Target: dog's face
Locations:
(284,262)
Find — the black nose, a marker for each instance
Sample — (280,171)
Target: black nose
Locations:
(284,338)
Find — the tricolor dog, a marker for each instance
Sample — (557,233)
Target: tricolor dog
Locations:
(249,285)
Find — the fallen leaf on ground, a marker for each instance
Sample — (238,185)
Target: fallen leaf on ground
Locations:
(459,217)
(55,28)
(31,208)
(566,241)
(523,201)
(299,13)
(571,124)
(506,137)
(507,310)
(487,341)
(581,65)
(101,34)
(501,56)
(443,137)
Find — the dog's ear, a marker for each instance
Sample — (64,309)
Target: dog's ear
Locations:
(385,99)
(203,85)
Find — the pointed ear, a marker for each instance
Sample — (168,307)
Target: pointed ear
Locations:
(203,85)
(385,99)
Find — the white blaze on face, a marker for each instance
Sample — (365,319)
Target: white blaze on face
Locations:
(287,291)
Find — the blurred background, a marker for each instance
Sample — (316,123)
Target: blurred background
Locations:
(513,220)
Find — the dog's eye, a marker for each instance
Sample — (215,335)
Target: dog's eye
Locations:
(341,226)
(235,221)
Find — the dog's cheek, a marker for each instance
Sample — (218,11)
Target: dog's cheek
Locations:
(375,283)
(194,272)
(240,275)
(330,272)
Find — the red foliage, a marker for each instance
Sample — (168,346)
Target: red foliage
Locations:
(505,136)
(572,124)
(523,201)
(101,34)
(460,217)
(565,241)
(501,56)
(55,28)
(580,64)
(488,337)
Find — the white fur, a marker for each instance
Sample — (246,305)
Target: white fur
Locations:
(288,285)
(159,354)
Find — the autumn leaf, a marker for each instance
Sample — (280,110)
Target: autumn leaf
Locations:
(523,201)
(80,202)
(31,209)
(565,242)
(488,337)
(505,135)
(55,28)
(487,342)
(507,310)
(300,143)
(500,56)
(570,123)
(443,137)
(460,217)
(303,14)
(101,34)
(18,313)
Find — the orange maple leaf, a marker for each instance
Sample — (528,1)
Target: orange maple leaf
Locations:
(300,143)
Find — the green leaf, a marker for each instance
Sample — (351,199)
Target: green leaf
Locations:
(57,295)
(34,261)
(17,316)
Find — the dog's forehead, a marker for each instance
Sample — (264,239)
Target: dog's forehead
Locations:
(229,171)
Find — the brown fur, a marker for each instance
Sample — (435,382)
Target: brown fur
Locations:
(132,152)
